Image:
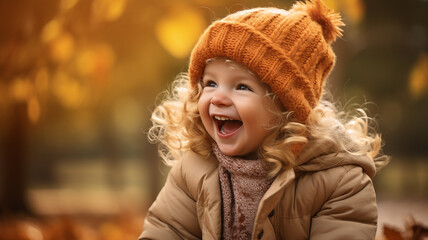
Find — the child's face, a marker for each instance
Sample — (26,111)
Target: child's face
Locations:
(234,108)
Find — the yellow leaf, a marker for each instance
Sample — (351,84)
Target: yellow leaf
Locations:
(41,80)
(418,81)
(355,10)
(67,4)
(108,10)
(110,231)
(85,61)
(20,89)
(33,110)
(51,30)
(69,92)
(179,30)
(62,47)
(95,61)
(333,4)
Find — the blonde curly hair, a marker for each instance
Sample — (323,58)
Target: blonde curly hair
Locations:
(178,128)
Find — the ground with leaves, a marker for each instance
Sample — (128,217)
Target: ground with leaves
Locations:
(124,227)
(129,226)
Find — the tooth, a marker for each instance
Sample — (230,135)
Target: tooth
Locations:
(222,118)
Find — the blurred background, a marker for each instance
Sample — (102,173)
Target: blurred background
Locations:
(79,79)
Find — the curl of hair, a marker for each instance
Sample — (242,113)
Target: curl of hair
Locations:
(353,132)
(178,128)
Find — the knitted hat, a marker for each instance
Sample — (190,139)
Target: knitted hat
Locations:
(288,50)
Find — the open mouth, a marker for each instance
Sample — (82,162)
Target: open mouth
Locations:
(226,125)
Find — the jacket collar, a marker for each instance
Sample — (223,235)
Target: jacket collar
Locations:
(321,154)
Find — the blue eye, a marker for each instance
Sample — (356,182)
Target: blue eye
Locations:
(209,84)
(244,87)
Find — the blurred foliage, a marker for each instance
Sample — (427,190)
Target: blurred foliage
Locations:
(179,29)
(418,83)
(412,231)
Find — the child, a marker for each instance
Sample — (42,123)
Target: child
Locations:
(256,153)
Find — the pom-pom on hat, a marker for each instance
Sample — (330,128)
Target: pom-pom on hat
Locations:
(288,50)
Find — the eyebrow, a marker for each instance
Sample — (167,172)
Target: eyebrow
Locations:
(236,76)
(207,73)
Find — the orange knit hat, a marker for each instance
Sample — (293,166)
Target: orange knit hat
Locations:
(288,50)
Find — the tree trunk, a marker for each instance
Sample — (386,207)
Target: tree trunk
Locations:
(13,176)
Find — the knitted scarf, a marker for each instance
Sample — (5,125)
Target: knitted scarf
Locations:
(243,184)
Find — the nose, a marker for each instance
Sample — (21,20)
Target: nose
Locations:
(221,98)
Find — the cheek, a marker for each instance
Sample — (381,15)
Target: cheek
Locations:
(259,118)
(263,129)
(203,105)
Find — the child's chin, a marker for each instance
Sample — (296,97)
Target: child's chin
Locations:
(236,154)
(229,152)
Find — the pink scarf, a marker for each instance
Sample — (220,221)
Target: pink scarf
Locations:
(243,184)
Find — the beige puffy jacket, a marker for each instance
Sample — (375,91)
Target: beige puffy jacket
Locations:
(328,196)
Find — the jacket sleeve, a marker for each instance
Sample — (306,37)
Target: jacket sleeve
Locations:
(173,214)
(350,212)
